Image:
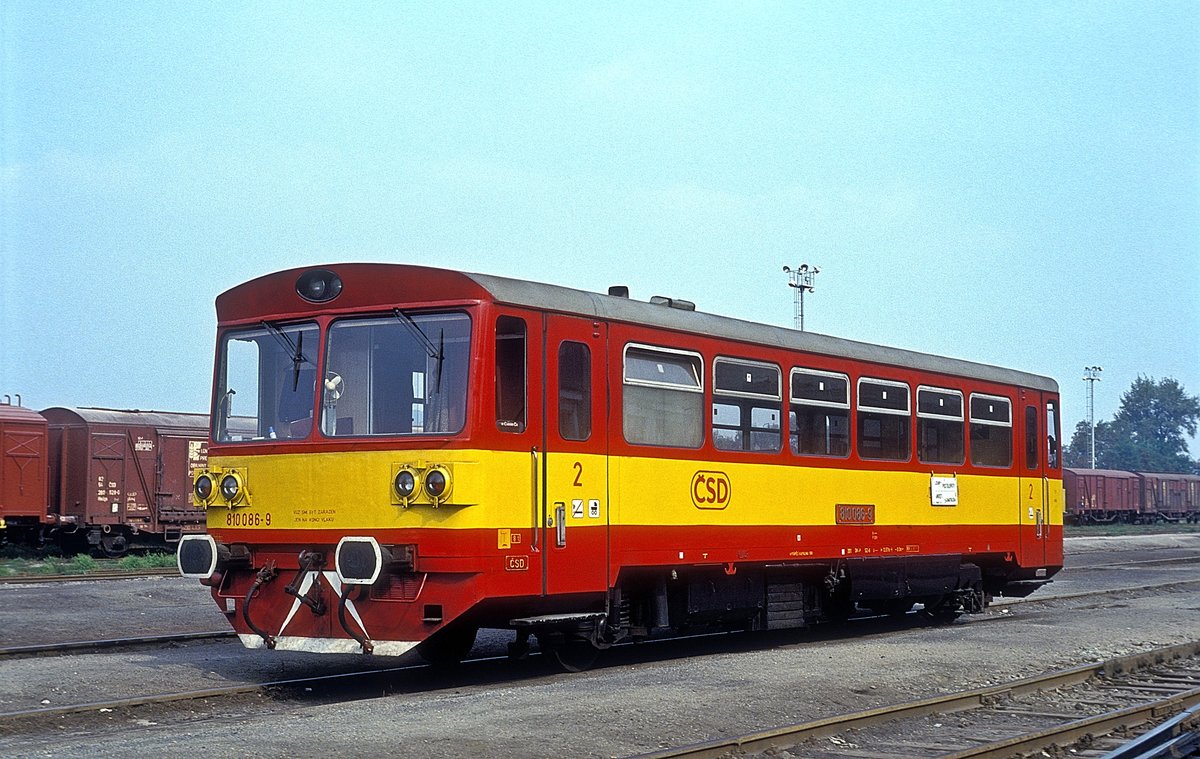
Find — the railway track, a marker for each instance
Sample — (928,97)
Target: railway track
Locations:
(1086,710)
(108,644)
(354,683)
(100,574)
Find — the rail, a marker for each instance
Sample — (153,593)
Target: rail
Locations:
(99,574)
(792,735)
(67,647)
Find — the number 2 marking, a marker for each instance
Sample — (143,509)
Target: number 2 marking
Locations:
(578,474)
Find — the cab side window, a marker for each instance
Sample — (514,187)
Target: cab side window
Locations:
(511,371)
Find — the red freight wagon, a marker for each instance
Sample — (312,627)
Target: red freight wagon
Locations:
(22,472)
(123,478)
(1101,495)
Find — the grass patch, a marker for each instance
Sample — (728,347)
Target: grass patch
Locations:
(1109,530)
(80,564)
(147,561)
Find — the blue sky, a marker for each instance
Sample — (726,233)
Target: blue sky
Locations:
(1015,183)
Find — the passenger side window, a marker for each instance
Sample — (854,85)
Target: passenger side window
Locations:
(820,413)
(747,397)
(663,397)
(511,380)
(991,431)
(940,424)
(884,423)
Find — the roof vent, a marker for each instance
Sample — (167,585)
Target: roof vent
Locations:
(679,303)
(618,291)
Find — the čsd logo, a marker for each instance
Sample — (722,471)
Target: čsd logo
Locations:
(711,490)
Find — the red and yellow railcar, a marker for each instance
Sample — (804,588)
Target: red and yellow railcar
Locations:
(437,452)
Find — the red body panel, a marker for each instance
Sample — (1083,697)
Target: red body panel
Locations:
(23,486)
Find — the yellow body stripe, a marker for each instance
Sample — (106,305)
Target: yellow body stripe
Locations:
(495,489)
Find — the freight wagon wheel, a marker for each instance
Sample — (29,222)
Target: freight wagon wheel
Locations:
(114,545)
(449,645)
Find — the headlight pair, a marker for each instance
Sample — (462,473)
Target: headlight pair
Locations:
(432,482)
(228,486)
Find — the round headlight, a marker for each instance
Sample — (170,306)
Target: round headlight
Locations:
(318,285)
(230,487)
(435,483)
(406,483)
(203,487)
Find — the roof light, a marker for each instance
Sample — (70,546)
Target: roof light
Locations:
(318,286)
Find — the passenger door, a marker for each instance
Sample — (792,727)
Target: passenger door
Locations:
(575,466)
(1041,488)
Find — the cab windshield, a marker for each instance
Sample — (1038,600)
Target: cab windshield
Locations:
(403,374)
(266,383)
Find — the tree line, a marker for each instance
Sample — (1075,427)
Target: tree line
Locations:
(1149,432)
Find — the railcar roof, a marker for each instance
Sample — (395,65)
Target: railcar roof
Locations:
(127,417)
(611,308)
(375,285)
(10,413)
(1082,472)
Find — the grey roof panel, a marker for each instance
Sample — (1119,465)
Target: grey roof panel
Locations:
(128,417)
(610,308)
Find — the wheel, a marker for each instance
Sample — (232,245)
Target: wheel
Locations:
(943,610)
(114,545)
(449,645)
(575,655)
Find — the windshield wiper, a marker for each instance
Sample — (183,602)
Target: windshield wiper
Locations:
(296,351)
(437,353)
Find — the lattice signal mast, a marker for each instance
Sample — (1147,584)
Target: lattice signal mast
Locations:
(801,279)
(1091,375)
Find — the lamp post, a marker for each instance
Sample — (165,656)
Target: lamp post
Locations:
(800,279)
(1091,375)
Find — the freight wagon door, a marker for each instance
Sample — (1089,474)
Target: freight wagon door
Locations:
(23,470)
(575,506)
(108,485)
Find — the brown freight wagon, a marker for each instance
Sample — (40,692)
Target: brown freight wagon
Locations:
(123,479)
(1101,496)
(1166,496)
(23,487)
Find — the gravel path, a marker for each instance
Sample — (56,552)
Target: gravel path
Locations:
(644,698)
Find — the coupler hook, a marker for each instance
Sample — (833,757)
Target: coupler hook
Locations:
(265,575)
(309,561)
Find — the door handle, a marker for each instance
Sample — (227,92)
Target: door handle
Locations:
(560,524)
(534,478)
